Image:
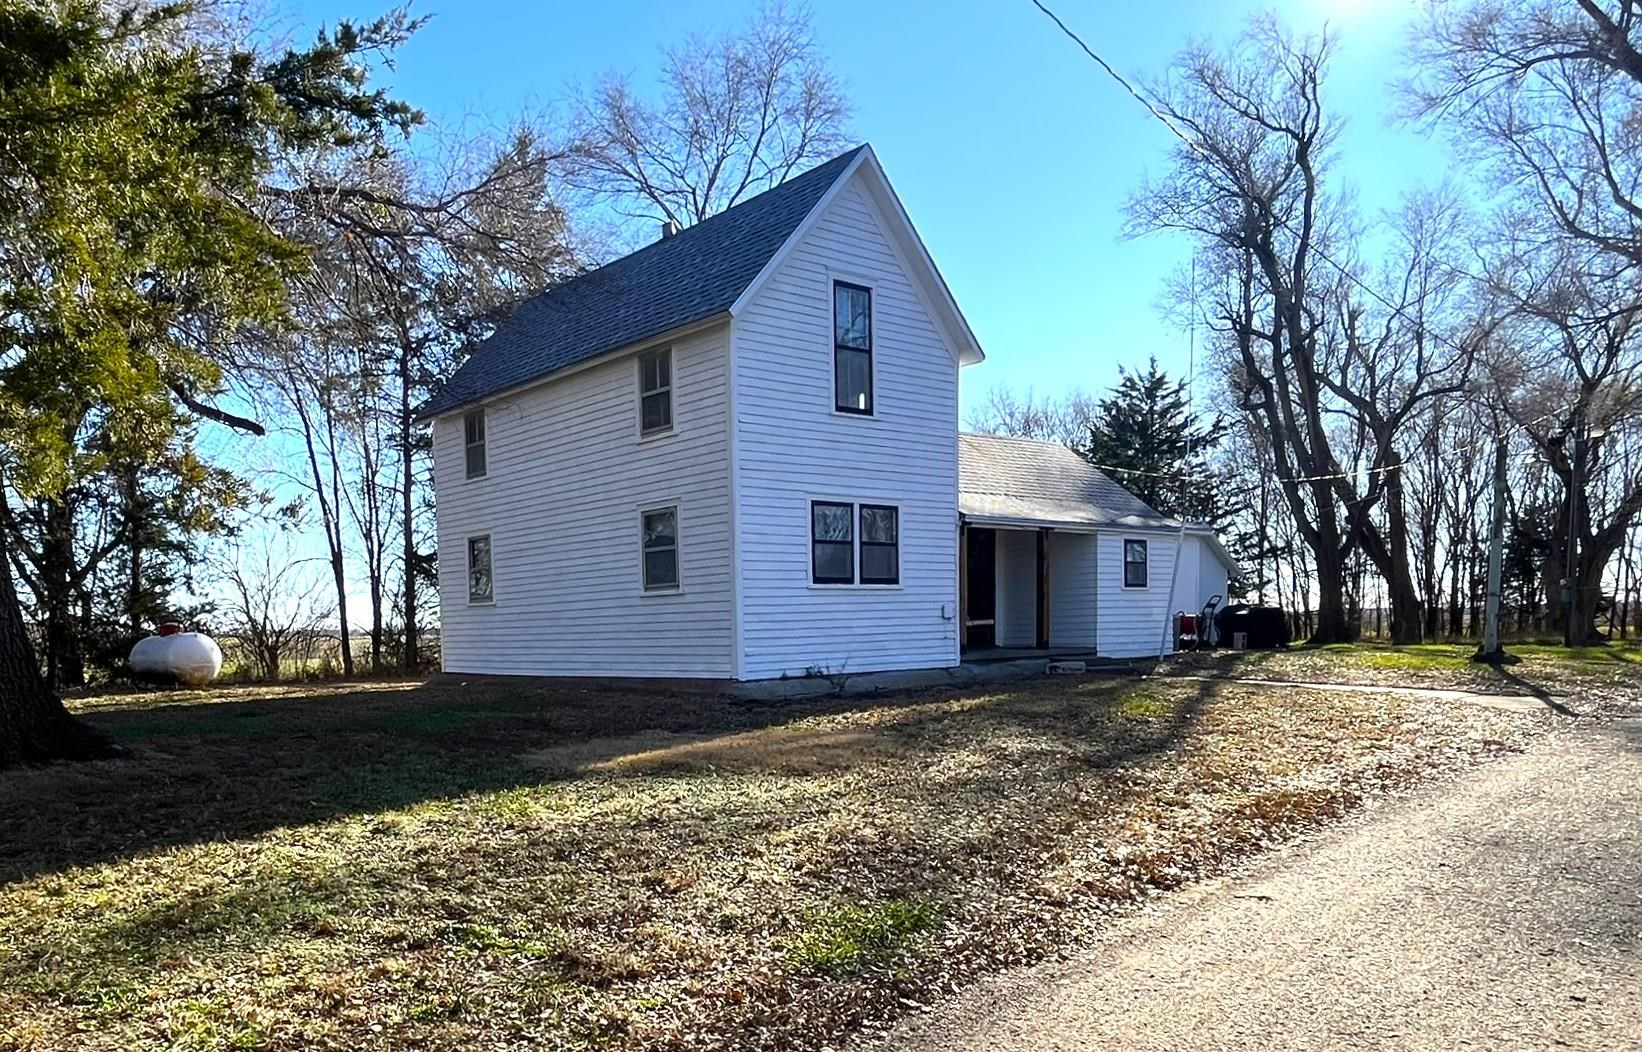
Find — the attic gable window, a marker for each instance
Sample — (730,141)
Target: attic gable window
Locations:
(852,348)
(656,392)
(473,427)
(1134,564)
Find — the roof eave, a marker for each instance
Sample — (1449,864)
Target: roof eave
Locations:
(421,416)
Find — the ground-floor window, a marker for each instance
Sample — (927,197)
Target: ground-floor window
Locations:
(855,543)
(1134,564)
(659,548)
(880,544)
(481,583)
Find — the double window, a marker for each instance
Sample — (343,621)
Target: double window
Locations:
(656,392)
(481,582)
(854,543)
(658,548)
(1134,564)
(473,433)
(852,348)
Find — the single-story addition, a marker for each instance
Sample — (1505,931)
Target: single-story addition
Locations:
(1054,555)
(734,454)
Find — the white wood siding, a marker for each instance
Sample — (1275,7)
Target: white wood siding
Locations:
(1212,578)
(1074,579)
(1017,575)
(1202,575)
(567,477)
(1132,620)
(791,448)
(1186,586)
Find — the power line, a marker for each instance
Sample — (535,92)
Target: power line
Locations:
(1317,250)
(1489,437)
(1202,151)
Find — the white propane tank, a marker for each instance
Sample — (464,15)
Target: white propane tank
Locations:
(190,658)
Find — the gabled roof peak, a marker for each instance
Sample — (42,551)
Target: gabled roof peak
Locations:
(670,283)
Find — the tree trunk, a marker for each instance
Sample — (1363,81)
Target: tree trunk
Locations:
(65,657)
(407,483)
(1332,625)
(134,551)
(1406,623)
(34,726)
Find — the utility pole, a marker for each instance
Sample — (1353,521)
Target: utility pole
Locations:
(1570,635)
(1491,651)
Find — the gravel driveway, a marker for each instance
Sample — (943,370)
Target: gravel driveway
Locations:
(1502,910)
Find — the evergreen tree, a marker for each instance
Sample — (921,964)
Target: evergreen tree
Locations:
(132,151)
(1147,437)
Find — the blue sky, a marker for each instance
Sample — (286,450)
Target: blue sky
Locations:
(1012,152)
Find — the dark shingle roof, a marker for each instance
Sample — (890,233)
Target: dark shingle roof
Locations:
(1020,479)
(691,276)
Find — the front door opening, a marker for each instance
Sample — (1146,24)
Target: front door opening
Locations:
(981,603)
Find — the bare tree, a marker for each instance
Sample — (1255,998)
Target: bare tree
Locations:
(414,261)
(736,115)
(1004,411)
(1248,182)
(275,602)
(1330,368)
(1548,91)
(1576,391)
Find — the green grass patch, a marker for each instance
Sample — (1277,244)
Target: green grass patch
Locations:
(1618,653)
(1414,659)
(853,938)
(1147,703)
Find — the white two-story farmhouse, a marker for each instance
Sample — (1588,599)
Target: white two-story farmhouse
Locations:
(734,454)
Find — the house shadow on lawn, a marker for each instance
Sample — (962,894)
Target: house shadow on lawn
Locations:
(231,769)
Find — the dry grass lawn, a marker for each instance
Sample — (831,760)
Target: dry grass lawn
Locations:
(467,866)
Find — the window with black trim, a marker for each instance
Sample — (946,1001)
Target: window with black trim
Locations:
(880,544)
(852,348)
(481,582)
(473,432)
(832,542)
(1134,564)
(656,392)
(853,543)
(659,548)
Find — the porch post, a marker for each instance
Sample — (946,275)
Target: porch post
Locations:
(963,584)
(1043,588)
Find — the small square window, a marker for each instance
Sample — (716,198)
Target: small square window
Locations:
(659,549)
(473,429)
(1134,564)
(656,391)
(481,583)
(852,348)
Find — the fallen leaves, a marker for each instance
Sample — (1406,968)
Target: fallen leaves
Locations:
(472,869)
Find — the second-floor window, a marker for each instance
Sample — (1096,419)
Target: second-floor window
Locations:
(656,392)
(473,428)
(852,348)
